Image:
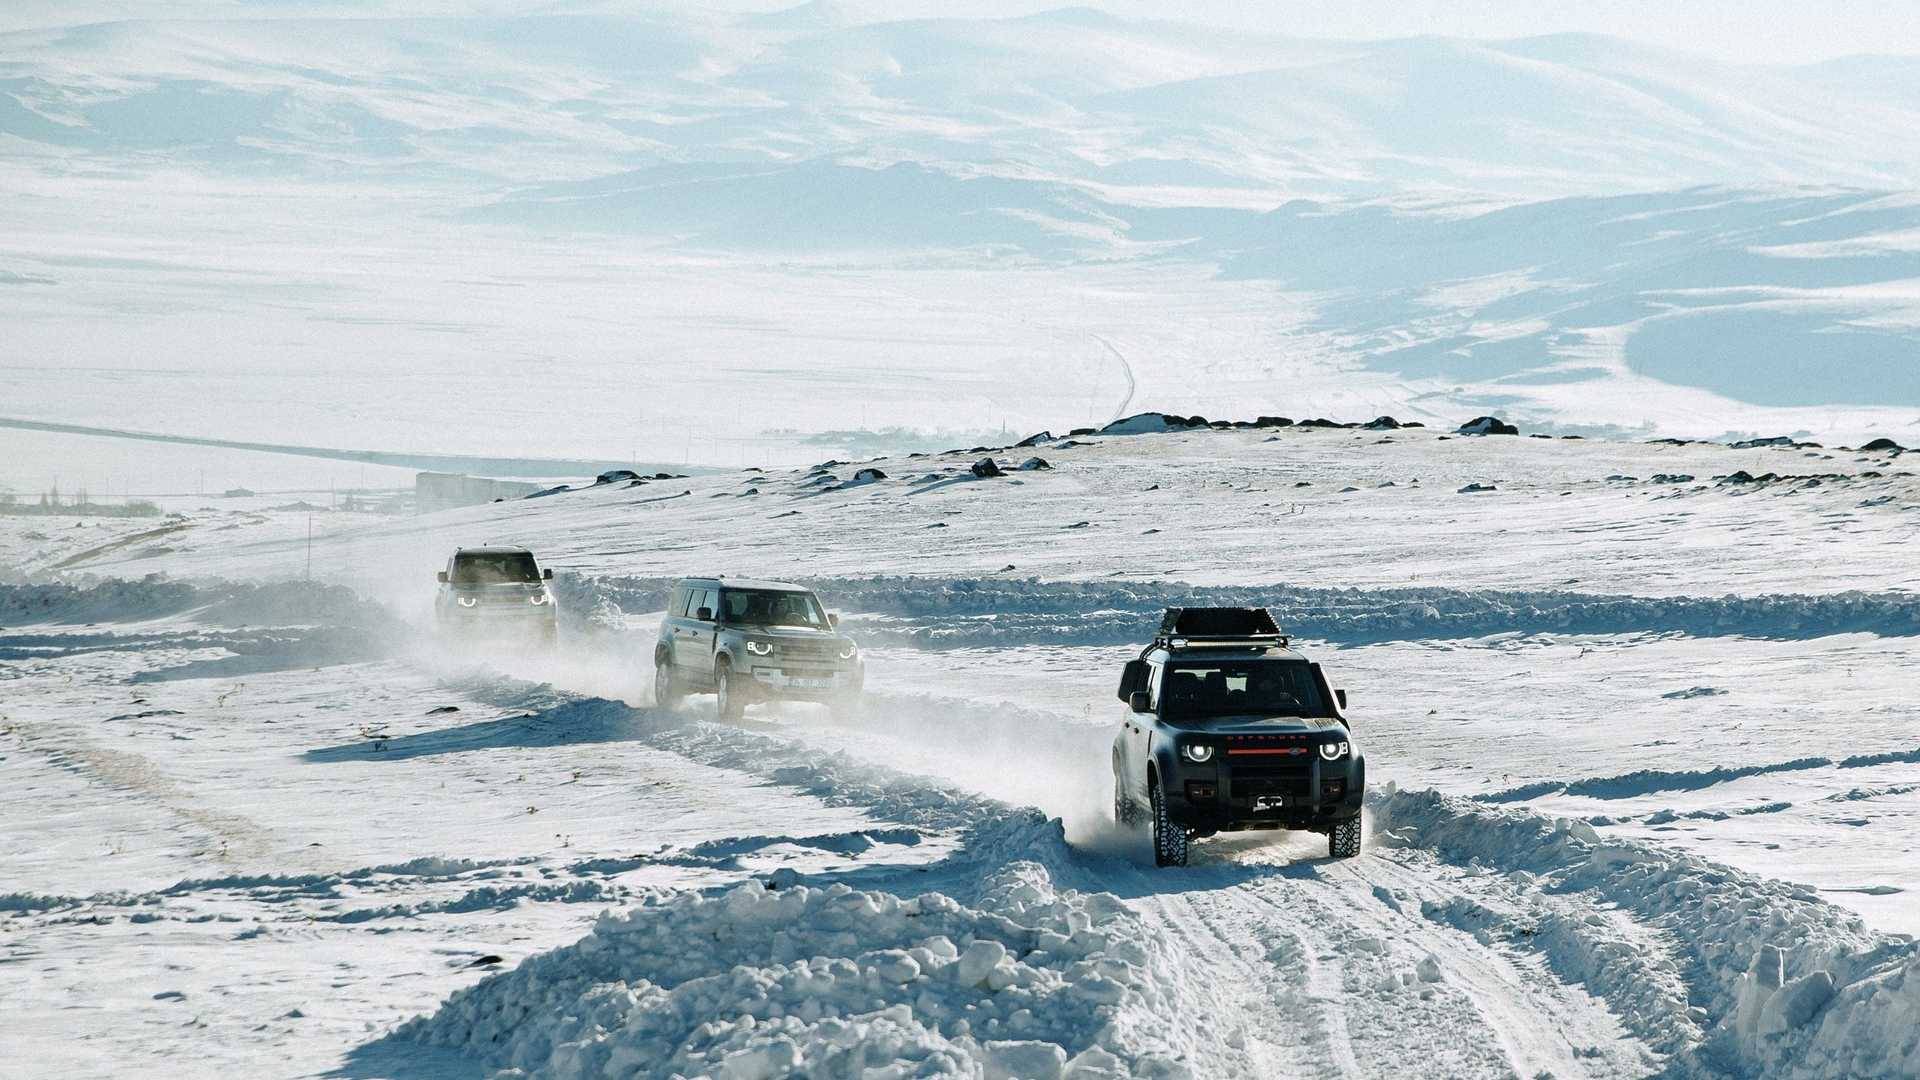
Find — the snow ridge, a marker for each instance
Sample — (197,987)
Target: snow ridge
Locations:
(957,612)
(1007,973)
(1787,985)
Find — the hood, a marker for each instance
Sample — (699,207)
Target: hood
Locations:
(1258,725)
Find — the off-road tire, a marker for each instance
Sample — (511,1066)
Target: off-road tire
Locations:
(1343,840)
(732,701)
(666,685)
(1169,838)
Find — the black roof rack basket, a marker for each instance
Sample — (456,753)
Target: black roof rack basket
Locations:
(1217,627)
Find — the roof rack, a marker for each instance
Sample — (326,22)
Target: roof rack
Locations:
(1218,628)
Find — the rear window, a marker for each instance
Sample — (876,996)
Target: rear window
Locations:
(495,568)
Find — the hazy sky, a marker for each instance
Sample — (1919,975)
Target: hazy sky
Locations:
(1790,31)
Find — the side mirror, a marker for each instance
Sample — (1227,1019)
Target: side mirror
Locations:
(546,573)
(833,620)
(705,614)
(1139,702)
(1341,697)
(441,577)
(1132,677)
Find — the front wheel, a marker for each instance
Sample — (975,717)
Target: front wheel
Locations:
(666,688)
(733,702)
(1343,840)
(1169,837)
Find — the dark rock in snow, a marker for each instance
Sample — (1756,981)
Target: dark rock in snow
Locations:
(614,476)
(1079,431)
(1034,463)
(630,483)
(550,491)
(868,476)
(1487,425)
(1381,423)
(1272,421)
(1035,439)
(1881,446)
(1148,423)
(1471,488)
(1323,422)
(986,467)
(438,710)
(1673,478)
(1694,692)
(1750,444)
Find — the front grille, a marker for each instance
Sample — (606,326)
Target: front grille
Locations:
(1293,781)
(812,650)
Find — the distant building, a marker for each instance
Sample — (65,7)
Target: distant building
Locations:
(444,491)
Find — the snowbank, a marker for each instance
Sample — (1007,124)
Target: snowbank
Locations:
(1782,984)
(1024,981)
(953,612)
(281,603)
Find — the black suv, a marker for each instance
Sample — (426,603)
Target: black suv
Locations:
(496,591)
(1229,729)
(749,641)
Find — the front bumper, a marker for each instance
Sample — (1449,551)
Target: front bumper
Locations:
(1232,795)
(811,682)
(501,619)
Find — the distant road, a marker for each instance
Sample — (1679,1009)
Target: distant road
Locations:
(457,463)
(1126,369)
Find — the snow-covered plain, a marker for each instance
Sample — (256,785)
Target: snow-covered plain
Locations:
(1644,795)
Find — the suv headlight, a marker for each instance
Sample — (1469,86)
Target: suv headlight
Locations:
(539,598)
(1334,751)
(760,648)
(849,650)
(468,601)
(1197,752)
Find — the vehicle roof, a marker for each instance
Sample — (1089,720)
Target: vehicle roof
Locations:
(1274,652)
(492,550)
(745,583)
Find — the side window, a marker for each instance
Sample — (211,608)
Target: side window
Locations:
(1155,672)
(708,598)
(677,607)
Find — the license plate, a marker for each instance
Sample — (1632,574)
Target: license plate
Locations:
(1269,802)
(811,684)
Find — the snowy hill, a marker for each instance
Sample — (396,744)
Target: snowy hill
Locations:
(626,206)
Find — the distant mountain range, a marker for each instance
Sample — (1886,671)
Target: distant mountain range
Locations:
(1523,215)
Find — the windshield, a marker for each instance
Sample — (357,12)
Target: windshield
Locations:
(495,568)
(766,607)
(1240,688)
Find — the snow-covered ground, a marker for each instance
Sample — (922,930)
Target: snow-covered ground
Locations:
(1644,768)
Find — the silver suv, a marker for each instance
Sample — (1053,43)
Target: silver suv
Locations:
(496,591)
(750,641)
